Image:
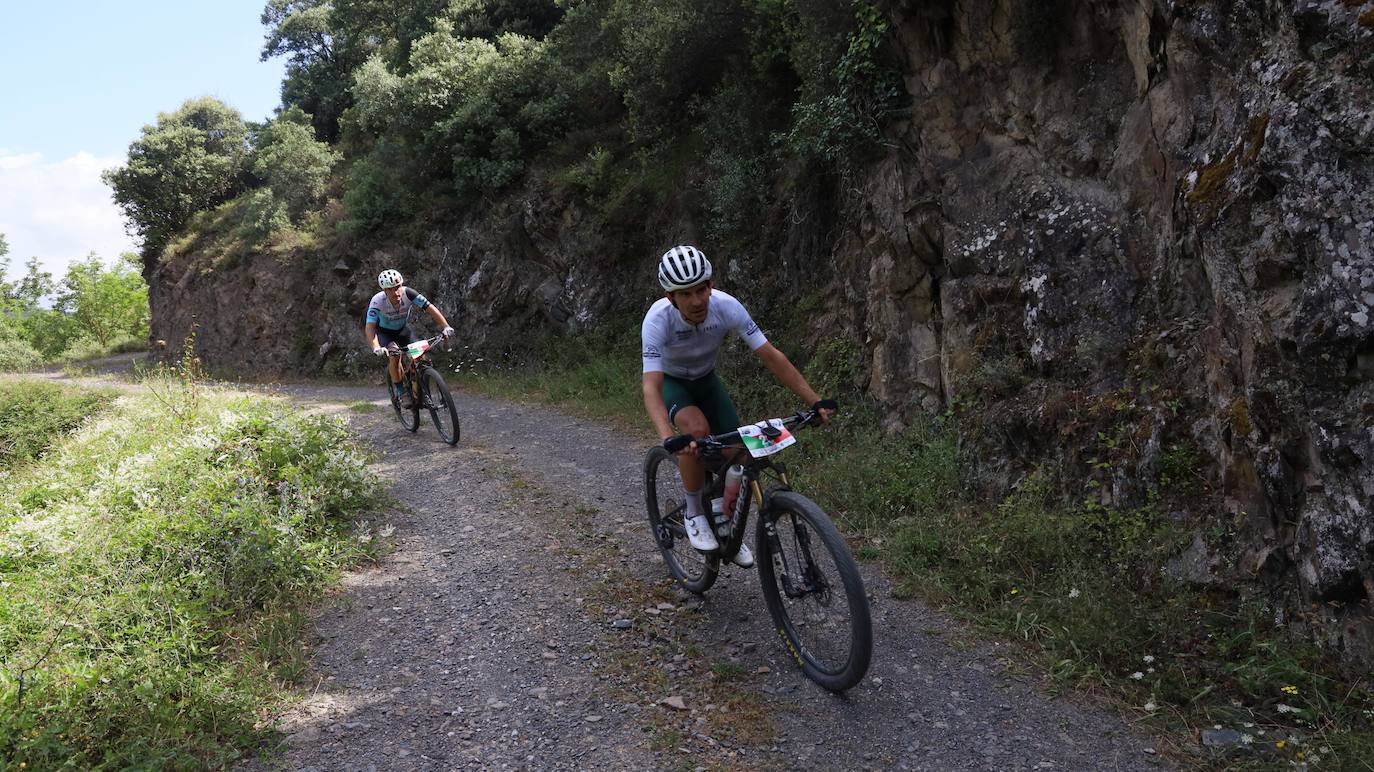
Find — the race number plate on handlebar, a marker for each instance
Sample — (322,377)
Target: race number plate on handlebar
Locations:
(759,444)
(417,348)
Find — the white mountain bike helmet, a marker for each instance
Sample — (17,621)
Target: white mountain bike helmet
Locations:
(390,278)
(682,267)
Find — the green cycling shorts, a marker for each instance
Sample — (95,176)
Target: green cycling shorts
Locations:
(707,393)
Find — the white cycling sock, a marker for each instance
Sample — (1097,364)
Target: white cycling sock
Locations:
(693,502)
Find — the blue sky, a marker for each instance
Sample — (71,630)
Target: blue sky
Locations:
(80,79)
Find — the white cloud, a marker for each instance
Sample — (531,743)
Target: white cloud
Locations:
(58,211)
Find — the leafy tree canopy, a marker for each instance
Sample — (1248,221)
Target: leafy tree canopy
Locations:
(189,162)
(105,303)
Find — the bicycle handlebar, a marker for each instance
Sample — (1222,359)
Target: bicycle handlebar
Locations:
(393,350)
(713,444)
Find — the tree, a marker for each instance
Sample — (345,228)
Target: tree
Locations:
(294,164)
(106,303)
(189,162)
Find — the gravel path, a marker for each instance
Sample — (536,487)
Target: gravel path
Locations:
(489,637)
(524,620)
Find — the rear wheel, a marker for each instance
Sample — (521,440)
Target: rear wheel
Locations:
(813,591)
(441,407)
(409,417)
(667,504)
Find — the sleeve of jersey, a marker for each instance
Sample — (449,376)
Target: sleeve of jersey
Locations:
(748,329)
(416,299)
(651,339)
(372,316)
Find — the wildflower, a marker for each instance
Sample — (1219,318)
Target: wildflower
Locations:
(1073,593)
(1137,675)
(1246,739)
(1286,708)
(1014,591)
(1151,706)
(1289,690)
(1148,658)
(1279,744)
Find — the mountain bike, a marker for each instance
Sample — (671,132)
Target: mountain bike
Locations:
(811,583)
(427,390)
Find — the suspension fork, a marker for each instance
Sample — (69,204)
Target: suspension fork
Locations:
(810,580)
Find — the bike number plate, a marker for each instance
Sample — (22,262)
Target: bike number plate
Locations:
(759,445)
(417,348)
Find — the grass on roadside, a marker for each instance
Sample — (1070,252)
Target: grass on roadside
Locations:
(1078,583)
(35,414)
(153,569)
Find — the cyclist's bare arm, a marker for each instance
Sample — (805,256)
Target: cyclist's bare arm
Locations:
(653,404)
(789,376)
(370,335)
(438,317)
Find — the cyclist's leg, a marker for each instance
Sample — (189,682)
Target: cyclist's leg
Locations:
(686,417)
(401,337)
(709,394)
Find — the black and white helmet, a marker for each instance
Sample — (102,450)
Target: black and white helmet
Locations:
(682,267)
(389,278)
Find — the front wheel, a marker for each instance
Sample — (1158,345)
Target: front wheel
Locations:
(409,417)
(813,591)
(666,502)
(441,407)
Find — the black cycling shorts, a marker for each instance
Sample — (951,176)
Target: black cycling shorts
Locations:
(402,337)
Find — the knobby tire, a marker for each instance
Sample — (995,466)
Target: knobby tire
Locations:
(829,655)
(441,408)
(666,505)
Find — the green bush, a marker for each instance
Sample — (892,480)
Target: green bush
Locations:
(34,415)
(17,356)
(86,348)
(152,569)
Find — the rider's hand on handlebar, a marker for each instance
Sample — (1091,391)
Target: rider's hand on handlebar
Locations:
(379,351)
(448,332)
(826,409)
(680,442)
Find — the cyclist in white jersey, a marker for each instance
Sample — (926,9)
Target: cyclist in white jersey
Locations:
(388,321)
(681,334)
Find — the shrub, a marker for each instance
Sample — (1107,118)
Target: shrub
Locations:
(17,356)
(34,415)
(152,578)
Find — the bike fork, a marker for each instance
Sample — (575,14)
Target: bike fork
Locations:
(807,576)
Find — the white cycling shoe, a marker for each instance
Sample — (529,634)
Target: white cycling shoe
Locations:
(744,558)
(700,534)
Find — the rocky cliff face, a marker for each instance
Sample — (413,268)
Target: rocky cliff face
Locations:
(1139,235)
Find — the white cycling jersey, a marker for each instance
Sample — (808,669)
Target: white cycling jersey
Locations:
(678,348)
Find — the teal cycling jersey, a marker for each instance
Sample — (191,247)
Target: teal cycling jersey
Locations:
(394,317)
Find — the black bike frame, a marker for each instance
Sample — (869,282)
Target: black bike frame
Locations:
(715,447)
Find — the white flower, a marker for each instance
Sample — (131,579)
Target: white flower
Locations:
(1073,593)
(1246,739)
(1286,708)
(1151,706)
(1137,675)
(1148,658)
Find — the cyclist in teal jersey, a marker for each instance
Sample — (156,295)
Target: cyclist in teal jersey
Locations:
(388,321)
(681,334)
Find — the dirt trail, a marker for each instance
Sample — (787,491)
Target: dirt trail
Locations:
(488,637)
